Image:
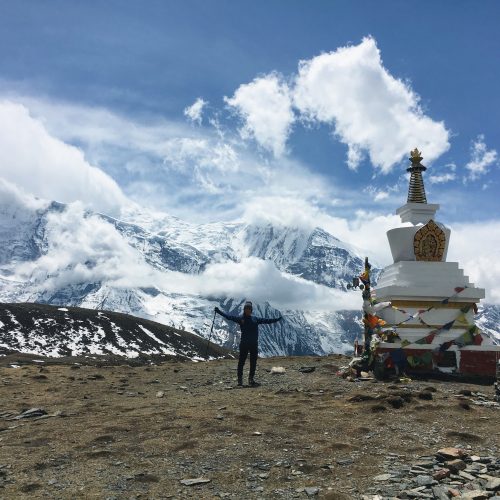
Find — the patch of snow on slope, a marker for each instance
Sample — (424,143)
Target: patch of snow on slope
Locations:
(151,334)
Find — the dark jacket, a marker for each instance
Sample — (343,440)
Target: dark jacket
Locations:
(249,325)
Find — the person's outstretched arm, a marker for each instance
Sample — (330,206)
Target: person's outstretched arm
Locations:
(268,321)
(236,319)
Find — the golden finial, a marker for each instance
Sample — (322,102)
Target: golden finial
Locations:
(416,155)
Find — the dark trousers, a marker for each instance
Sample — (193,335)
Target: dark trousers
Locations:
(245,349)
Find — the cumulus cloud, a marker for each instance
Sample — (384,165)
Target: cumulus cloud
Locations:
(266,108)
(194,113)
(49,168)
(370,110)
(481,160)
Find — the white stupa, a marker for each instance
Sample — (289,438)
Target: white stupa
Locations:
(420,279)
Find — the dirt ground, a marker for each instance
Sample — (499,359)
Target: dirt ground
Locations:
(119,432)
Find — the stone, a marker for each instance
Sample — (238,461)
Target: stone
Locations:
(466,475)
(425,464)
(425,395)
(453,492)
(476,495)
(195,481)
(440,492)
(493,484)
(424,480)
(395,401)
(418,470)
(440,474)
(344,461)
(417,493)
(31,413)
(160,394)
(311,491)
(474,467)
(455,465)
(383,477)
(307,369)
(451,453)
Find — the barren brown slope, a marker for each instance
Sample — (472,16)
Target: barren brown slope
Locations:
(136,432)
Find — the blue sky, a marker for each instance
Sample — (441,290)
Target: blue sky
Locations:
(117,80)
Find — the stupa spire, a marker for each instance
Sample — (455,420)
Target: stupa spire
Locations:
(416,190)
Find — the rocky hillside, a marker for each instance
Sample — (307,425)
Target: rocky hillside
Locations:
(73,331)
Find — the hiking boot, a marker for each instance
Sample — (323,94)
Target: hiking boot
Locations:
(240,381)
(252,383)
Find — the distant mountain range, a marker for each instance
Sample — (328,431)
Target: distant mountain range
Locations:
(145,265)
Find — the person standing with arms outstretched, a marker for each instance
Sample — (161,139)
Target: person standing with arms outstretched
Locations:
(249,342)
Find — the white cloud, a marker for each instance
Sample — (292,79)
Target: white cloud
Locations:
(354,156)
(103,132)
(49,168)
(448,175)
(261,280)
(195,112)
(266,108)
(381,195)
(203,153)
(476,247)
(14,198)
(83,248)
(364,233)
(369,109)
(481,160)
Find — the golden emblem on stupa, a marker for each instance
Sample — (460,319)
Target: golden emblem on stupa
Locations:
(429,242)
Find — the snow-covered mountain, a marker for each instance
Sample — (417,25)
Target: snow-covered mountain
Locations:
(488,320)
(161,268)
(164,269)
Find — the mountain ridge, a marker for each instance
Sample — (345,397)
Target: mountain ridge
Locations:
(175,273)
(74,331)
